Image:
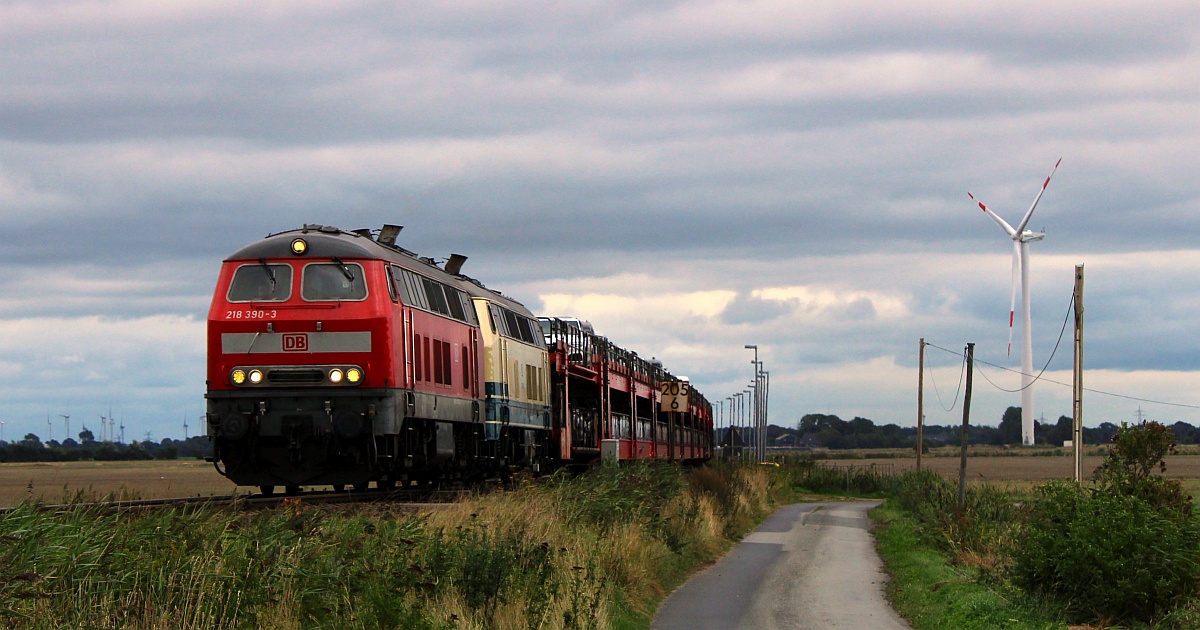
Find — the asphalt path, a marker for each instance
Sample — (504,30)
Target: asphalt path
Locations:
(810,565)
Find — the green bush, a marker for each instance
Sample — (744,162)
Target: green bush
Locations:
(1137,451)
(1106,555)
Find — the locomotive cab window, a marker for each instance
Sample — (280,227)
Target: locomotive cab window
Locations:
(326,282)
(261,282)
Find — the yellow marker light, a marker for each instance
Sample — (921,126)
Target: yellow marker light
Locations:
(256,377)
(335,376)
(299,246)
(354,375)
(238,377)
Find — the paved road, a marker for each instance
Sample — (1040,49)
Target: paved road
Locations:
(810,565)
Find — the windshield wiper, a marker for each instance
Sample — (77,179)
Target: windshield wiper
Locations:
(270,272)
(345,268)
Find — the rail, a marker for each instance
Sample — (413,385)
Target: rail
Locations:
(416,499)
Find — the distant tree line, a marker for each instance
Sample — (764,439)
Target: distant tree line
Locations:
(830,431)
(31,448)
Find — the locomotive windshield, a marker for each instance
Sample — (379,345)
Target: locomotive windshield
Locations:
(261,283)
(324,282)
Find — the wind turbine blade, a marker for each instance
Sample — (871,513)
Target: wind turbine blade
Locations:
(1025,221)
(1012,305)
(1008,229)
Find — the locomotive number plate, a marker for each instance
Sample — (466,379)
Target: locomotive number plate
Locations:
(249,314)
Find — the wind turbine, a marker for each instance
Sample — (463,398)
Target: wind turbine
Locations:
(1021,239)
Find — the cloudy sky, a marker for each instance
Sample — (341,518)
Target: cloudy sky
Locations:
(690,176)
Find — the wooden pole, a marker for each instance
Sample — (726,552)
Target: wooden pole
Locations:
(1077,385)
(921,403)
(962,464)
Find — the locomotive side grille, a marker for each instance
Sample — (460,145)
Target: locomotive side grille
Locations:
(297,376)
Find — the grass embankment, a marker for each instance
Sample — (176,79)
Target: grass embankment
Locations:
(596,551)
(1121,551)
(933,590)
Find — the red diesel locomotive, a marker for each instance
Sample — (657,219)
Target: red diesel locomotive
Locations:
(338,358)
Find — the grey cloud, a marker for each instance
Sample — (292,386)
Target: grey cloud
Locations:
(751,310)
(555,141)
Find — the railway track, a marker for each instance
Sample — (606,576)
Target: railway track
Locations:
(408,498)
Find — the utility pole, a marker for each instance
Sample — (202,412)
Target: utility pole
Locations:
(766,406)
(746,407)
(1077,383)
(920,403)
(754,402)
(962,464)
(717,425)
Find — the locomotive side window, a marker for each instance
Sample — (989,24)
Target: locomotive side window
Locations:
(514,326)
(392,284)
(261,283)
(430,295)
(437,298)
(497,318)
(324,282)
(529,330)
(454,301)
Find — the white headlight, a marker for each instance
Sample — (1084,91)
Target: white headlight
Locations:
(335,376)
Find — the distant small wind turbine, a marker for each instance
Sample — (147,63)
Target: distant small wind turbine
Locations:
(1021,238)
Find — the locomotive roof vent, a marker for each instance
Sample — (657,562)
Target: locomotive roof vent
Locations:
(317,227)
(388,234)
(455,263)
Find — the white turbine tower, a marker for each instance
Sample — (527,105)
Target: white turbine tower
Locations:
(1021,238)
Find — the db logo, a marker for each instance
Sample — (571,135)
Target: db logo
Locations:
(295,342)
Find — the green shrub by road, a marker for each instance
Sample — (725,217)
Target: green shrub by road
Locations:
(1121,551)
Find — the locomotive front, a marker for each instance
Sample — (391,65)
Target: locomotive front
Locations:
(299,360)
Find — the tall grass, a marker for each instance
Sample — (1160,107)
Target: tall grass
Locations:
(811,475)
(553,555)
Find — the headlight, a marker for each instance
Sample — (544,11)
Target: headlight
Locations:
(238,377)
(354,375)
(256,377)
(335,376)
(299,247)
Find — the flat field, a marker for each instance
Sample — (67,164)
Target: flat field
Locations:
(54,482)
(1021,470)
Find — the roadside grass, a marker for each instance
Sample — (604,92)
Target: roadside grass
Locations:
(934,594)
(1122,551)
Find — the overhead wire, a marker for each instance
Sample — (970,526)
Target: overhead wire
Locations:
(1041,374)
(962,370)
